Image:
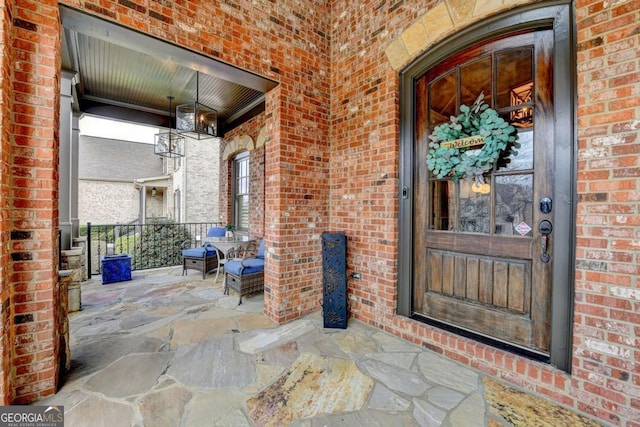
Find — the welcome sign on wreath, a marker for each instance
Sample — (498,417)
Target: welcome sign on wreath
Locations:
(454,148)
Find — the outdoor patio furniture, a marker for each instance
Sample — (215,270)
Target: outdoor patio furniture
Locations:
(216,232)
(229,248)
(205,258)
(246,275)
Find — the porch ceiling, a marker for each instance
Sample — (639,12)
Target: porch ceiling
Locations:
(127,75)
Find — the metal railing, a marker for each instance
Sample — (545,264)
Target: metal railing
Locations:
(153,245)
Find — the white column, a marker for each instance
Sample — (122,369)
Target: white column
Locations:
(65,165)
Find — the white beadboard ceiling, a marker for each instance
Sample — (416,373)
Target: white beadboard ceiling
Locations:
(129,75)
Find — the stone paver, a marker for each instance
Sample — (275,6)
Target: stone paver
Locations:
(387,400)
(211,406)
(448,373)
(256,341)
(395,378)
(427,414)
(164,407)
(130,375)
(99,412)
(213,364)
(190,331)
(171,350)
(314,385)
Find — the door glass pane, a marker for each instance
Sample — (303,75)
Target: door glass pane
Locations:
(514,205)
(443,205)
(475,78)
(442,99)
(475,207)
(514,82)
(521,158)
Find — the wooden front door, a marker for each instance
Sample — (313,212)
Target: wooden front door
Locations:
(483,256)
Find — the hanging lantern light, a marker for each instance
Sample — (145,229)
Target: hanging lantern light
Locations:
(195,119)
(169,144)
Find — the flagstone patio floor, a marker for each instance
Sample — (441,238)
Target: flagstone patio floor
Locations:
(170,350)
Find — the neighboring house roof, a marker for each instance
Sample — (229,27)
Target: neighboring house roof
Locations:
(112,159)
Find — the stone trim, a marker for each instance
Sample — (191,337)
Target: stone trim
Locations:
(237,144)
(444,19)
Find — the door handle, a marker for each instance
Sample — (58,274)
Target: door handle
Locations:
(545,227)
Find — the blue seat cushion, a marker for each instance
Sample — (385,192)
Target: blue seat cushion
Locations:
(199,252)
(251,265)
(261,250)
(216,232)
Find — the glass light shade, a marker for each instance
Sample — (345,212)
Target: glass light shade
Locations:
(169,144)
(196,120)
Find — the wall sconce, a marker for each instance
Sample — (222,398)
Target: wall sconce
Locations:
(195,119)
(154,191)
(169,144)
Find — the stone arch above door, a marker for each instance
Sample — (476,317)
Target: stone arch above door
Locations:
(238,143)
(445,18)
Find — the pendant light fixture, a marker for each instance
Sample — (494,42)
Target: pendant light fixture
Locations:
(169,144)
(195,119)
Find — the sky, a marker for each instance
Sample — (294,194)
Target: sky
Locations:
(104,128)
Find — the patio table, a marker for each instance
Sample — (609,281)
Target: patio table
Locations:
(226,244)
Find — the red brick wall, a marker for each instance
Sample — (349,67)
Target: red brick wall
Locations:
(6,329)
(364,151)
(347,179)
(605,380)
(33,84)
(256,175)
(606,374)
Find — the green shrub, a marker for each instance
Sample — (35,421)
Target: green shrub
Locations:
(125,244)
(159,245)
(105,233)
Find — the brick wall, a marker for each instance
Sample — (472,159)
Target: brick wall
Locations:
(347,179)
(605,379)
(105,158)
(364,150)
(250,128)
(6,100)
(606,374)
(33,84)
(297,160)
(202,162)
(97,199)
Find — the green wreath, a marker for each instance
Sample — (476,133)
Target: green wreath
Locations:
(467,162)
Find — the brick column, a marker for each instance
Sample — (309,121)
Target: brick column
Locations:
(6,329)
(296,208)
(33,198)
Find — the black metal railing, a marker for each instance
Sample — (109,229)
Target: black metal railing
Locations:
(153,245)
